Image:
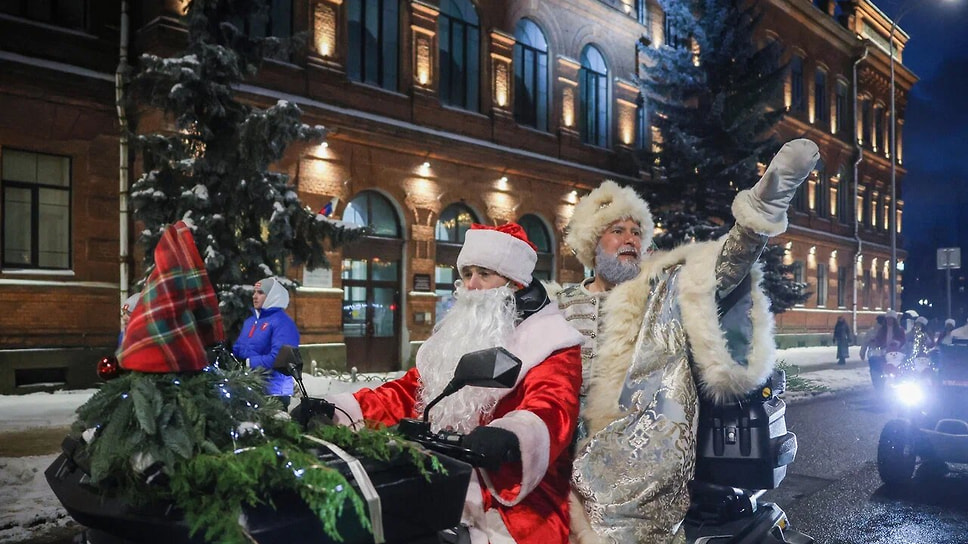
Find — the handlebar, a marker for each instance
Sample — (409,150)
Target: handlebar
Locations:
(447,443)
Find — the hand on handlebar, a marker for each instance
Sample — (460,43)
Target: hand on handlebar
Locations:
(496,445)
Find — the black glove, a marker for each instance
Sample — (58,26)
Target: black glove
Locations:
(496,445)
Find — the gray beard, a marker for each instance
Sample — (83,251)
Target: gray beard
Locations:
(612,269)
(478,320)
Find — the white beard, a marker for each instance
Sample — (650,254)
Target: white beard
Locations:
(479,319)
(613,269)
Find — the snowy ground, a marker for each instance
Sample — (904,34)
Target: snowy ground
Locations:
(29,510)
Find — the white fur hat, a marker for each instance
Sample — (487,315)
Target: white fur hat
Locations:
(922,320)
(505,250)
(950,321)
(607,204)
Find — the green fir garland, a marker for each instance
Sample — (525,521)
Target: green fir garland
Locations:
(213,444)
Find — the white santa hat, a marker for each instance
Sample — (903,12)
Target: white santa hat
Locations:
(890,314)
(505,250)
(922,320)
(600,208)
(950,322)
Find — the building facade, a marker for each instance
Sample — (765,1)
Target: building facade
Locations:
(443,113)
(838,94)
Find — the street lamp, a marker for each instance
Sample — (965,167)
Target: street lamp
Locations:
(892,151)
(892,220)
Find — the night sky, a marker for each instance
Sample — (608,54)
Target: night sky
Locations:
(935,147)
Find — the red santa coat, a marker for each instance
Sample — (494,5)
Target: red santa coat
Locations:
(526,501)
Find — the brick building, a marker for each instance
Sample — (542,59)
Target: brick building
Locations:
(838,94)
(443,113)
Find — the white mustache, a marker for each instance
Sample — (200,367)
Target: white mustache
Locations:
(628,250)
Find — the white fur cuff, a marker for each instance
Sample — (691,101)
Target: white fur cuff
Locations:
(748,214)
(721,378)
(534,441)
(347,402)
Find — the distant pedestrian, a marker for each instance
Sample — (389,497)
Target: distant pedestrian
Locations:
(944,335)
(265,332)
(843,338)
(867,339)
(889,339)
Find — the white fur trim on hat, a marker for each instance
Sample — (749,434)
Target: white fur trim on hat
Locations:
(510,257)
(607,204)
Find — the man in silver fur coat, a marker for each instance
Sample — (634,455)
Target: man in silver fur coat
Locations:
(662,329)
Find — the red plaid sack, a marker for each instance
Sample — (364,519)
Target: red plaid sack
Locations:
(178,315)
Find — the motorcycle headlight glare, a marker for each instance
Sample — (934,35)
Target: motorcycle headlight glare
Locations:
(909,393)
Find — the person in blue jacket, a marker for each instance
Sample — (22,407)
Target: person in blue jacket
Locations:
(265,332)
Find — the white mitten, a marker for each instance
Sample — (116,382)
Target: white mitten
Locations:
(763,208)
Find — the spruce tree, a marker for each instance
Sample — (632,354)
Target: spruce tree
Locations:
(213,166)
(713,94)
(778,281)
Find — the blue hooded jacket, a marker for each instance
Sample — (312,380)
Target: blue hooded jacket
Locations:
(263,335)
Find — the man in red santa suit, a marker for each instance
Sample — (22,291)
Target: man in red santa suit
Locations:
(521,492)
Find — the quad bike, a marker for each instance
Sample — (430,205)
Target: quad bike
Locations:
(414,508)
(744,448)
(930,395)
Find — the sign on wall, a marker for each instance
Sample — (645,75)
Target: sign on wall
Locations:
(319,278)
(421,282)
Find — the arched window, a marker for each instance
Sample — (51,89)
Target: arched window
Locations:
(459,39)
(453,224)
(530,75)
(375,211)
(371,285)
(538,234)
(373,41)
(593,93)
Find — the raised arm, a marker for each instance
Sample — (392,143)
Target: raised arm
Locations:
(761,212)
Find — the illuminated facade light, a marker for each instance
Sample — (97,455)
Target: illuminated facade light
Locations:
(324,29)
(568,106)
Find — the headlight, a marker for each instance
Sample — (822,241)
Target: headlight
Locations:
(909,393)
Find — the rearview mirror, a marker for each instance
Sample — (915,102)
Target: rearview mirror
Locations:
(288,361)
(490,367)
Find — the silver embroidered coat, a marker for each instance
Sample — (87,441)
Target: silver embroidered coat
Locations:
(654,344)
